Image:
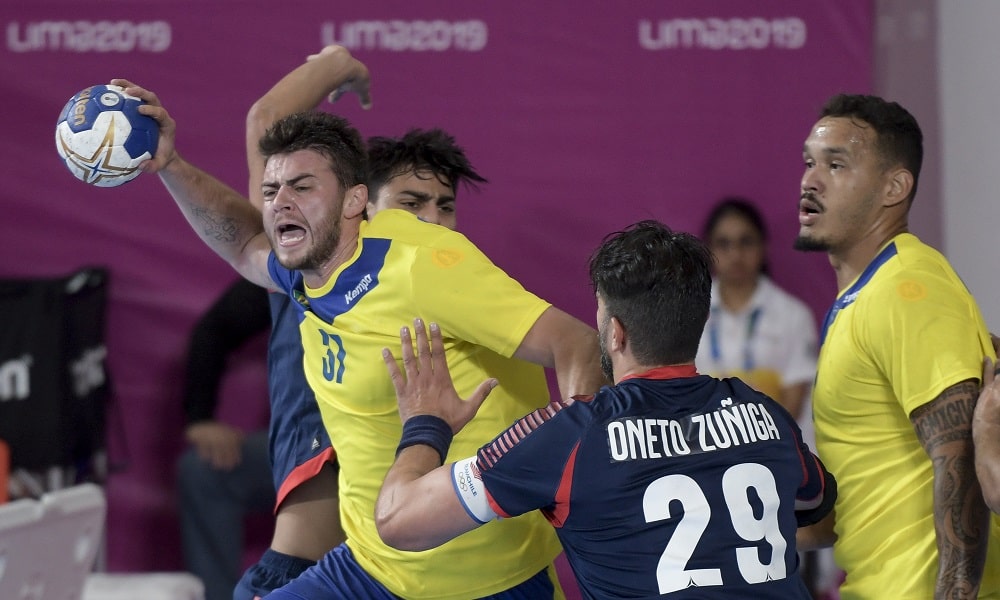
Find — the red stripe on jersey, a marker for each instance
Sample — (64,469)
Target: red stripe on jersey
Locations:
(520,430)
(304,473)
(558,515)
(560,512)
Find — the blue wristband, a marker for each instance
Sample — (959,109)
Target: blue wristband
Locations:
(427,430)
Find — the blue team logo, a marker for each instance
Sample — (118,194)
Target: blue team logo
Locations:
(333,362)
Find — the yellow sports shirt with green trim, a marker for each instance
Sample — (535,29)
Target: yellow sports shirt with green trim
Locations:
(405,268)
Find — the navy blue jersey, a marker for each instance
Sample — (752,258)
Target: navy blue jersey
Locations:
(684,487)
(299,443)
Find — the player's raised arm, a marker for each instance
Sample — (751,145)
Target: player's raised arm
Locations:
(417,507)
(220,216)
(560,341)
(329,73)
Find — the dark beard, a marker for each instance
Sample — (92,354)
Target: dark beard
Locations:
(319,254)
(807,244)
(606,365)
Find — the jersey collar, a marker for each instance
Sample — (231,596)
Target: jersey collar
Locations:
(668,372)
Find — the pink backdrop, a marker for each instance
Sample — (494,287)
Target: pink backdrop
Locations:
(584,121)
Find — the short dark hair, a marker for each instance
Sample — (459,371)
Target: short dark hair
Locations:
(740,207)
(430,150)
(658,284)
(899,140)
(322,132)
(734,205)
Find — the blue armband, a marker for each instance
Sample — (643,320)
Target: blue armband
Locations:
(427,430)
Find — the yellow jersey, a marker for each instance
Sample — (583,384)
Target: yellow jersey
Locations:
(902,333)
(405,268)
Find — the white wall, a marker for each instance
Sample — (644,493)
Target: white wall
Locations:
(906,52)
(969,75)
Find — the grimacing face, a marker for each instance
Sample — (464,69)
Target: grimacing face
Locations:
(840,184)
(303,203)
(421,193)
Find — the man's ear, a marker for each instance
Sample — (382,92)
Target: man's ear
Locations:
(899,184)
(618,336)
(355,201)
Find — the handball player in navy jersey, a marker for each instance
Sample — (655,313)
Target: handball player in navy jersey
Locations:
(667,484)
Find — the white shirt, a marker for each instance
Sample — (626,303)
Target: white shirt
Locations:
(772,344)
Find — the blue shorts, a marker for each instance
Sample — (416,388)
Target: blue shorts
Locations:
(337,576)
(272,571)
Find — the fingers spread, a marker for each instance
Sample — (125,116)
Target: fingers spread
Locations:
(406,349)
(425,354)
(393,368)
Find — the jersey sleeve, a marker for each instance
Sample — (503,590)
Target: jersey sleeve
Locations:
(530,465)
(927,338)
(817,490)
(457,286)
(281,276)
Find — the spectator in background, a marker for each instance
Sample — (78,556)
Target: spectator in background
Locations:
(225,475)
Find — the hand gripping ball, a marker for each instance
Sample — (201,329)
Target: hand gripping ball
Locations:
(102,137)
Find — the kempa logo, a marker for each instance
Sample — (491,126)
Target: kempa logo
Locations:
(89,36)
(408,36)
(755,33)
(15,379)
(87,372)
(359,289)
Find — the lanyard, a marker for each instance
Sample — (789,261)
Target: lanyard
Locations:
(716,347)
(848,297)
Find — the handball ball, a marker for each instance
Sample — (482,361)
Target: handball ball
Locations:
(102,137)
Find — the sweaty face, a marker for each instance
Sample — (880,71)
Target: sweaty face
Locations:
(840,185)
(421,193)
(738,248)
(303,203)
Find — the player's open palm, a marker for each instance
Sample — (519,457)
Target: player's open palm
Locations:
(424,386)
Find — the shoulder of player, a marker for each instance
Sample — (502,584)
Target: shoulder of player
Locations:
(915,275)
(917,260)
(403,227)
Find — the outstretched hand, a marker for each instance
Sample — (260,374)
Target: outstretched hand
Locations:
(427,388)
(359,81)
(165,151)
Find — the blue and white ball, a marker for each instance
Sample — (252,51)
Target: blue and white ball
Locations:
(102,137)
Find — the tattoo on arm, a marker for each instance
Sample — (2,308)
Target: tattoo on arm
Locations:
(961,519)
(215,226)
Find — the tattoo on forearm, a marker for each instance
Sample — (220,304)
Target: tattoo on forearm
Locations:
(961,519)
(948,418)
(215,226)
